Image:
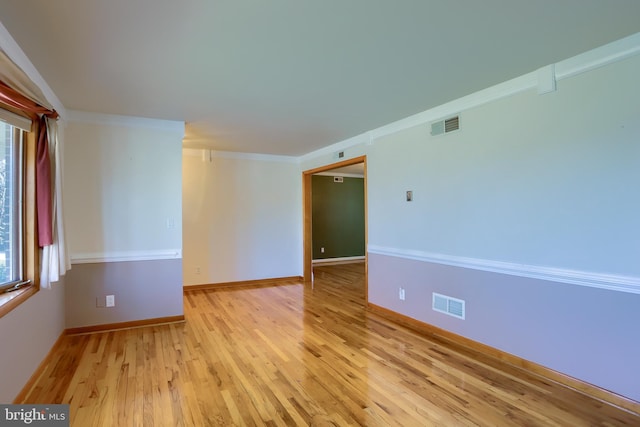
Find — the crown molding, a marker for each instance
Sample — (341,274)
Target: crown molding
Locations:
(599,57)
(204,152)
(76,116)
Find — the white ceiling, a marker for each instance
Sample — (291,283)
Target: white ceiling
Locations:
(288,77)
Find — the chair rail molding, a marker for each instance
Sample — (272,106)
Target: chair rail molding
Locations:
(612,282)
(102,257)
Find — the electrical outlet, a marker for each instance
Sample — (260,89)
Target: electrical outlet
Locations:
(401,294)
(321,250)
(111,301)
(197,270)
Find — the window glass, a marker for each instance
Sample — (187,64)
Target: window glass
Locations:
(10,201)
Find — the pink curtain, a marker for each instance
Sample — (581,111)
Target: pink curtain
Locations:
(43,186)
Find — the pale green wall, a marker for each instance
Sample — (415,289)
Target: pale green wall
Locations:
(337,217)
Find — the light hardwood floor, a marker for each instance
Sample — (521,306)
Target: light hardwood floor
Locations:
(290,355)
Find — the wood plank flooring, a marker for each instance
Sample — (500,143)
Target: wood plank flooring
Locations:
(295,356)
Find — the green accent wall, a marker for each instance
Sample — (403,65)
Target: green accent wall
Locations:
(337,217)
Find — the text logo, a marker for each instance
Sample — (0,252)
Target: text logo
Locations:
(34,415)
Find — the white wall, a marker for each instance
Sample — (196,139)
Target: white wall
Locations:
(122,184)
(242,217)
(543,180)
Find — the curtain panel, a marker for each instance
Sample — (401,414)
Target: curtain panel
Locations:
(19,93)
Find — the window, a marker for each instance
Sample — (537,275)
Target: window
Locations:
(18,246)
(11,272)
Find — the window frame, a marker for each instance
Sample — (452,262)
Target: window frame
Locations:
(30,247)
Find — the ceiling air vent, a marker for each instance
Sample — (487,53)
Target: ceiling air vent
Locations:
(448,305)
(445,126)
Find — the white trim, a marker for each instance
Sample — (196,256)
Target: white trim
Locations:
(613,282)
(338,260)
(17,55)
(102,257)
(15,120)
(254,156)
(197,152)
(126,121)
(596,58)
(345,175)
(547,81)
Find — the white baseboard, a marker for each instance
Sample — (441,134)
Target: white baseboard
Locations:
(340,260)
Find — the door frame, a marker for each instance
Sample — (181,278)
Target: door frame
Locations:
(307,256)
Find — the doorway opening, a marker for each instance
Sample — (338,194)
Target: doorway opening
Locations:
(307,214)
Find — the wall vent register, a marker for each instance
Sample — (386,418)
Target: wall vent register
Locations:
(448,305)
(445,126)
